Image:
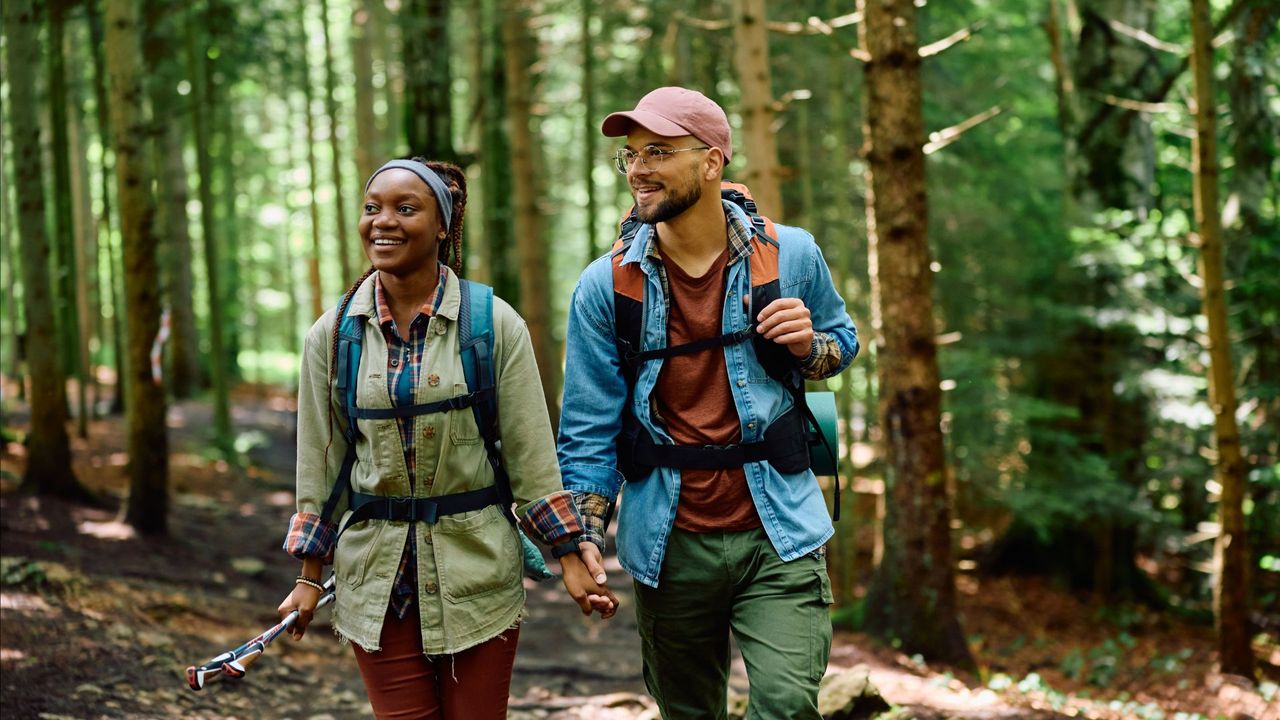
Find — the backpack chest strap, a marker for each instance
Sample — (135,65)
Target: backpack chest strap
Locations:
(457,402)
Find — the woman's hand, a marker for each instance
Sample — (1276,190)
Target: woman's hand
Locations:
(590,595)
(303,599)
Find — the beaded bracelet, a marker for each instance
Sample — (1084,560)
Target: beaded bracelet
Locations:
(304,580)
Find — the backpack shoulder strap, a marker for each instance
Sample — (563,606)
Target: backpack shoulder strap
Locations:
(347,357)
(476,341)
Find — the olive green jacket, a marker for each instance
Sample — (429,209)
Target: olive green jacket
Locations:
(468,565)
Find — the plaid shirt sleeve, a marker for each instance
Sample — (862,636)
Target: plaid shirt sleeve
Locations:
(310,536)
(552,520)
(824,357)
(595,510)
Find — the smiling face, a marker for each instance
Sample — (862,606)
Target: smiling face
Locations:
(400,227)
(663,189)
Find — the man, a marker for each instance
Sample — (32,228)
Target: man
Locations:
(720,547)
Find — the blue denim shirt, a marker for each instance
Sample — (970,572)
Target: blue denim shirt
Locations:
(791,506)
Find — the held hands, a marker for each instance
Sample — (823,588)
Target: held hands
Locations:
(786,321)
(303,599)
(584,578)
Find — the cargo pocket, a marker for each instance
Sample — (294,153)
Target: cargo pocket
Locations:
(354,553)
(820,637)
(477,554)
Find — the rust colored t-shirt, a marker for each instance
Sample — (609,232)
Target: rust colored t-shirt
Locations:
(697,406)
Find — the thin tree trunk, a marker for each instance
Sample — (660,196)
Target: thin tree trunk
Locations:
(198,70)
(161,42)
(64,244)
(1231,552)
(531,247)
(913,596)
(590,128)
(751,56)
(395,132)
(83,246)
(479,264)
(9,272)
(48,447)
(106,255)
(428,116)
(147,442)
(496,154)
(313,181)
(367,141)
(343,231)
(292,338)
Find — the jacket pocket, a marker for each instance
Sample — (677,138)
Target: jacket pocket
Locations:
(462,423)
(355,552)
(477,554)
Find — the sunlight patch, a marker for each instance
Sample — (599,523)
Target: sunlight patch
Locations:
(109,530)
(23,602)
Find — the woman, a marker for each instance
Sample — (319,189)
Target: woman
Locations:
(432,608)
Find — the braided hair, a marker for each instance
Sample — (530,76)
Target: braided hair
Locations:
(449,253)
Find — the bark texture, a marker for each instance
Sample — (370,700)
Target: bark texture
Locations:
(751,56)
(1231,552)
(147,442)
(48,447)
(531,246)
(912,597)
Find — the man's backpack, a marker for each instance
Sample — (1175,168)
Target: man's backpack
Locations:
(804,437)
(476,341)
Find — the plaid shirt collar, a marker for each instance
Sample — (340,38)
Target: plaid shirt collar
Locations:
(740,232)
(428,309)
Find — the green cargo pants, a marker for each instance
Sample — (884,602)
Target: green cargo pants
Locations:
(717,582)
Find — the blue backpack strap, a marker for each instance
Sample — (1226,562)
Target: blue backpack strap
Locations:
(350,347)
(476,340)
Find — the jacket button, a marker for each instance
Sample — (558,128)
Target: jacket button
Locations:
(430,588)
(751,426)
(431,480)
(395,362)
(433,379)
(429,431)
(427,536)
(742,383)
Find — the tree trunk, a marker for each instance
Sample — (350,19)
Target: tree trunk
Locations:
(83,245)
(201,109)
(64,241)
(1115,164)
(313,180)
(1231,552)
(367,141)
(394,132)
(106,255)
(147,441)
(531,246)
(913,597)
(343,231)
(9,278)
(751,56)
(496,154)
(48,447)
(428,119)
(162,20)
(590,129)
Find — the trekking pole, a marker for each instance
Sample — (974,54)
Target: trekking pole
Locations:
(233,664)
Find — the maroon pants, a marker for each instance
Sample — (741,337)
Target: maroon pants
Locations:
(404,684)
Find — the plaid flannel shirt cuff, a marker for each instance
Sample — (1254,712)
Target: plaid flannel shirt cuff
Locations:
(824,357)
(310,536)
(594,509)
(552,519)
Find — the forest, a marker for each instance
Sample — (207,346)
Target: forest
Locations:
(1054,223)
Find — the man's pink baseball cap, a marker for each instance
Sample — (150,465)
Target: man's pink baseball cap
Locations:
(672,112)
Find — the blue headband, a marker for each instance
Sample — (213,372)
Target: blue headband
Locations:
(429,177)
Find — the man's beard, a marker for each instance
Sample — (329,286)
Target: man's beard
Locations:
(676,201)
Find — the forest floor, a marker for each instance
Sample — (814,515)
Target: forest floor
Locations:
(96,622)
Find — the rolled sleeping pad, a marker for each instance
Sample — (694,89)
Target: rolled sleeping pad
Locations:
(823,406)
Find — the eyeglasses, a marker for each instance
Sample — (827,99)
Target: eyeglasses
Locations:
(623,159)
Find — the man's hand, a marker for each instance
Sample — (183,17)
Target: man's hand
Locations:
(587,588)
(786,321)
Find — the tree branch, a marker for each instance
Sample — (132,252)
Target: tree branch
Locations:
(959,36)
(812,26)
(946,136)
(1139,105)
(1146,38)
